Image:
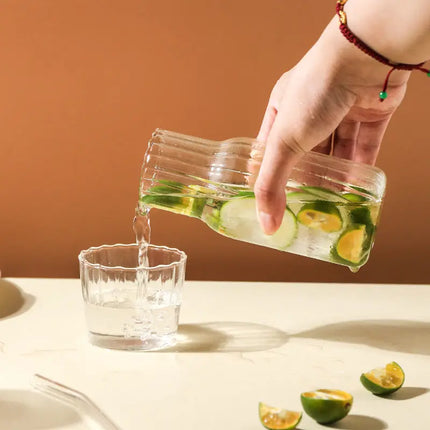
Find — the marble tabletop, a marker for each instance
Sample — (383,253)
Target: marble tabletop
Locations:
(238,344)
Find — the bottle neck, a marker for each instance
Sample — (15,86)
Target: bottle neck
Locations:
(200,163)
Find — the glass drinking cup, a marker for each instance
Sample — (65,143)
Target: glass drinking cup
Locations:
(131,306)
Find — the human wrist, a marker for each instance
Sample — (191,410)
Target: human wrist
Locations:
(349,61)
(392,28)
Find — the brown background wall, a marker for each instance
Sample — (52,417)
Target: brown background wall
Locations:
(84,83)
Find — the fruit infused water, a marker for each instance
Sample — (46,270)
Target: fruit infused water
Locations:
(332,210)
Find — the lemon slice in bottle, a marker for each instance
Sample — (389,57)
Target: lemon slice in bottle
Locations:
(321,215)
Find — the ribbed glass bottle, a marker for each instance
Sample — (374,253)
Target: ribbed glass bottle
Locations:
(332,210)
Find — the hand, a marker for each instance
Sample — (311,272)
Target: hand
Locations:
(334,88)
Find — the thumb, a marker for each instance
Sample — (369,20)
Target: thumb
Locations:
(281,154)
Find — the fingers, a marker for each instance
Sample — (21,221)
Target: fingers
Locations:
(279,159)
(325,147)
(346,139)
(267,123)
(271,110)
(359,141)
(369,141)
(299,116)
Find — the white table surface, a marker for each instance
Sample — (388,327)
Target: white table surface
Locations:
(240,343)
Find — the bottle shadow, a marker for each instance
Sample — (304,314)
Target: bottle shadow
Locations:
(20,409)
(393,335)
(227,336)
(13,301)
(359,422)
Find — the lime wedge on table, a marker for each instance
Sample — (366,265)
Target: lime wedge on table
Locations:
(278,419)
(382,381)
(326,406)
(321,215)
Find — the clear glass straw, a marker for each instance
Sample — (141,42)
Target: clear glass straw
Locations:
(74,398)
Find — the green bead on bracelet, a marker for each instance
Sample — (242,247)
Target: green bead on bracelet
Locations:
(383,95)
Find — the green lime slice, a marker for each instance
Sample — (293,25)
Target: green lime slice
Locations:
(361,215)
(362,190)
(180,205)
(326,406)
(383,381)
(172,196)
(278,419)
(352,247)
(354,198)
(321,215)
(245,194)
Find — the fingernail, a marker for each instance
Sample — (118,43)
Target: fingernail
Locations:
(267,222)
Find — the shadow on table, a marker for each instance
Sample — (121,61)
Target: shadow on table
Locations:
(22,410)
(227,337)
(359,422)
(13,301)
(394,335)
(407,393)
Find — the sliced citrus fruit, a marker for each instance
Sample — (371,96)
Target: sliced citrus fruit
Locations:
(385,380)
(326,406)
(321,215)
(355,198)
(172,196)
(278,419)
(361,215)
(180,205)
(351,246)
(245,194)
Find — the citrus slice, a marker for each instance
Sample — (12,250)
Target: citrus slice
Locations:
(361,215)
(351,244)
(278,419)
(326,406)
(180,205)
(321,215)
(382,381)
(355,198)
(172,196)
(245,194)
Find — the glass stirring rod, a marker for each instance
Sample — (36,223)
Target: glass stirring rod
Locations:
(74,398)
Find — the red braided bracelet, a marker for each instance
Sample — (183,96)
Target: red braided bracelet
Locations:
(369,51)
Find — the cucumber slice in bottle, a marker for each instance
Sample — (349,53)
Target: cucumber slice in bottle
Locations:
(300,197)
(324,194)
(238,220)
